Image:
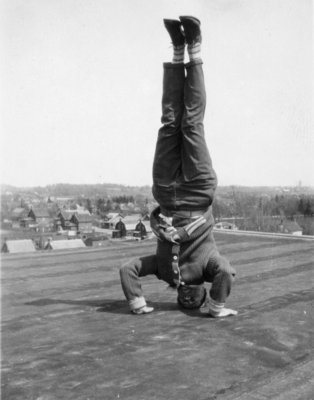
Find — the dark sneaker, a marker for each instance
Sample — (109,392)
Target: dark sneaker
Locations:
(174,29)
(192,29)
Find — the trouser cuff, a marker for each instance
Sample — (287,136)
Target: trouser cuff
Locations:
(193,62)
(169,65)
(137,302)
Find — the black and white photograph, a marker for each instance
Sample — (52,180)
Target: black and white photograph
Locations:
(157,199)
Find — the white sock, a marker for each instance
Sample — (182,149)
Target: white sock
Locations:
(194,51)
(178,54)
(218,310)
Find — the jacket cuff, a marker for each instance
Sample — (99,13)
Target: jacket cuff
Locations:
(137,302)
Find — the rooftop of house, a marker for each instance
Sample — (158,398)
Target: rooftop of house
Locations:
(82,210)
(67,332)
(18,246)
(40,212)
(82,217)
(111,216)
(291,226)
(18,212)
(66,214)
(65,244)
(132,218)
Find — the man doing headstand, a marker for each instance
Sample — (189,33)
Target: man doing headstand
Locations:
(184,184)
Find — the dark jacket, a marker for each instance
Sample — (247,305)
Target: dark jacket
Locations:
(193,257)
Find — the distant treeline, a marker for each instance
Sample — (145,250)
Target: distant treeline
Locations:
(112,189)
(260,211)
(79,190)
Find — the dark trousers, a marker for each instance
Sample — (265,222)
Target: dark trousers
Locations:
(183,176)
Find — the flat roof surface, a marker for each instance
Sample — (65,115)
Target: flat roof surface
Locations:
(67,332)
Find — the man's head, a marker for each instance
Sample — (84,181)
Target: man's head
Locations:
(191,296)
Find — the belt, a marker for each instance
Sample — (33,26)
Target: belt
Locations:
(183,213)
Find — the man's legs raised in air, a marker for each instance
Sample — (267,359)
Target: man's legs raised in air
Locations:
(198,181)
(167,160)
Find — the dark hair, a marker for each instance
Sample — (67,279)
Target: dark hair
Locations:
(191,296)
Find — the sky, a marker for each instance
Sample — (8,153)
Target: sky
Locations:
(81,89)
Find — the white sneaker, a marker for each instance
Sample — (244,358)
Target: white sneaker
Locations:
(224,312)
(143,310)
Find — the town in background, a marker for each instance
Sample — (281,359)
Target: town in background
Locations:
(89,215)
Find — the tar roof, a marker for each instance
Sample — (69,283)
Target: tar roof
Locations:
(68,333)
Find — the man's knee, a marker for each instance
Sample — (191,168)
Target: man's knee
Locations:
(128,267)
(221,270)
(225,268)
(123,271)
(222,280)
(138,267)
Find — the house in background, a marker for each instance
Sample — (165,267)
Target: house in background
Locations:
(111,220)
(83,222)
(66,222)
(140,230)
(81,210)
(120,227)
(291,227)
(137,225)
(145,217)
(17,215)
(64,217)
(40,215)
(29,223)
(131,221)
(42,218)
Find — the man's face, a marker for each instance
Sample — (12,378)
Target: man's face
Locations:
(191,296)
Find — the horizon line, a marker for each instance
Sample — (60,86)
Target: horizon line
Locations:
(150,185)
